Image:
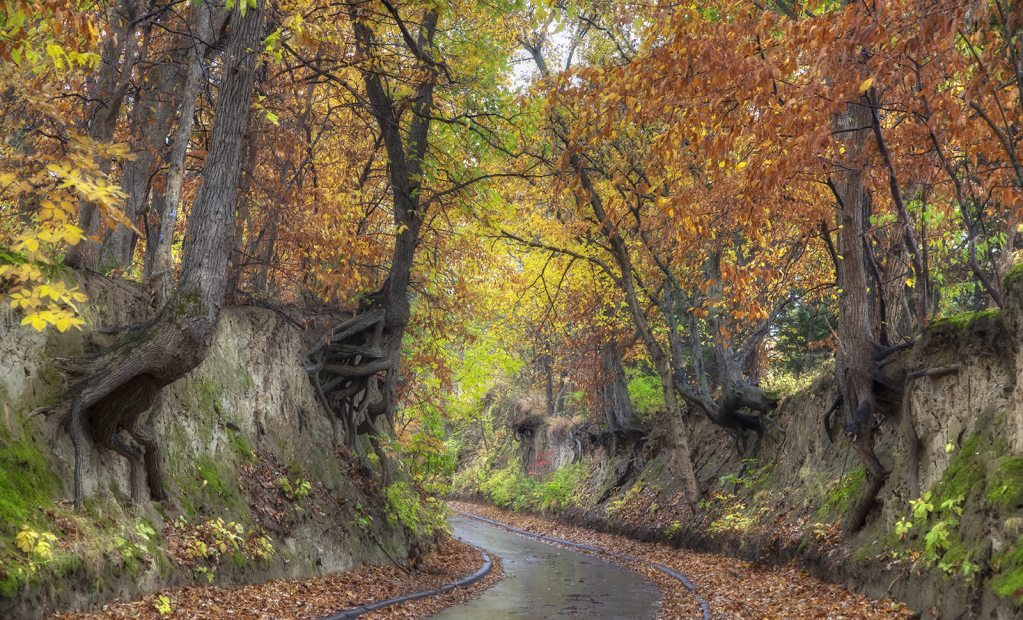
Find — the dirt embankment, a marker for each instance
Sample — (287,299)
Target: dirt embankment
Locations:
(945,535)
(256,490)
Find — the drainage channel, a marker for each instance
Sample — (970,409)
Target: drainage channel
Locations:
(355,612)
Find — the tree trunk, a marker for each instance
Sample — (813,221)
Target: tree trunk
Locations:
(239,253)
(161,272)
(122,381)
(856,369)
(621,412)
(118,56)
(347,361)
(152,117)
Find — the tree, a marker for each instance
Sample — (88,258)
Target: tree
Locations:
(118,384)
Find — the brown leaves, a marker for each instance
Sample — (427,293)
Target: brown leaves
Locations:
(736,589)
(313,598)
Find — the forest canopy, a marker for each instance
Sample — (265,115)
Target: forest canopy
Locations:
(631,207)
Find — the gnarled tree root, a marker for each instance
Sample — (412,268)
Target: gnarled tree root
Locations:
(877,475)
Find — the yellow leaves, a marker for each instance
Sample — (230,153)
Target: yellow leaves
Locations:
(866,85)
(44,302)
(26,539)
(34,544)
(67,233)
(59,318)
(29,244)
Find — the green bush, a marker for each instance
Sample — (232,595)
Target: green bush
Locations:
(405,506)
(646,394)
(561,489)
(511,488)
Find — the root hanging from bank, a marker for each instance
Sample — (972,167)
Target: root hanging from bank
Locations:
(347,366)
(118,385)
(861,430)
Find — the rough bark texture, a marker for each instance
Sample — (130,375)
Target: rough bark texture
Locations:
(152,118)
(118,56)
(618,407)
(346,362)
(121,381)
(856,369)
(161,268)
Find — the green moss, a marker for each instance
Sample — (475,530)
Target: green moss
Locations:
(132,566)
(965,472)
(242,450)
(65,564)
(1010,580)
(208,472)
(956,553)
(25,481)
(238,559)
(163,565)
(1005,487)
(9,586)
(213,483)
(842,496)
(961,322)
(1014,274)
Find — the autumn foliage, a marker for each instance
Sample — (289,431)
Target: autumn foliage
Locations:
(561,191)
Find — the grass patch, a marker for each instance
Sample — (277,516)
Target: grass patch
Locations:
(842,495)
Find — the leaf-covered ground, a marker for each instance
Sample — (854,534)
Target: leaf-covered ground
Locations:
(736,589)
(307,599)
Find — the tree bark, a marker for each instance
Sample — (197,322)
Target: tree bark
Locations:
(152,118)
(621,413)
(118,56)
(119,383)
(161,271)
(355,395)
(856,369)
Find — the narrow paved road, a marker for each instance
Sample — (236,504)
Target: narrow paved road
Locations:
(547,582)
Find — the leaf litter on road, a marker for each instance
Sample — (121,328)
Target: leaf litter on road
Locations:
(736,589)
(307,599)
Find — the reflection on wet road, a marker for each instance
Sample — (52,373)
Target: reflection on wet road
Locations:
(546,582)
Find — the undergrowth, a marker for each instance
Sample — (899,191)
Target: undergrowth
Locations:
(512,488)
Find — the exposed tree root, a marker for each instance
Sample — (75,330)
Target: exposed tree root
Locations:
(344,368)
(913,465)
(118,384)
(630,466)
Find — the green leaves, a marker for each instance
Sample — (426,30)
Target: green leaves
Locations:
(921,506)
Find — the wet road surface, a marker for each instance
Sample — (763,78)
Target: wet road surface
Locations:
(544,582)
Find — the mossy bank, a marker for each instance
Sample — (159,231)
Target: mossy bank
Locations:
(945,535)
(255,489)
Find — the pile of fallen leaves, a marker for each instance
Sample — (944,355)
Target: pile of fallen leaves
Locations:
(735,589)
(307,599)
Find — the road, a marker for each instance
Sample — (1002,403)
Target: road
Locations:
(546,582)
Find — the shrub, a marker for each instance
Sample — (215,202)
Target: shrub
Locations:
(646,394)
